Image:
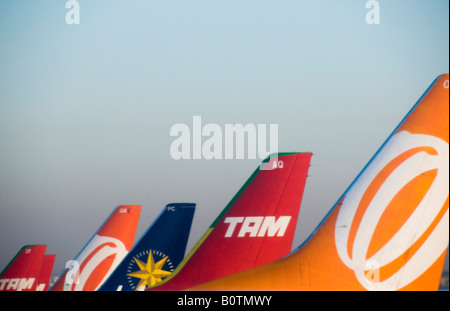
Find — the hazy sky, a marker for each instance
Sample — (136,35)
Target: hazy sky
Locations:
(86,110)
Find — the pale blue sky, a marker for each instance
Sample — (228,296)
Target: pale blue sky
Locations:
(86,110)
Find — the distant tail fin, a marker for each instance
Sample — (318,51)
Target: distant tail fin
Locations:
(390,229)
(23,271)
(46,273)
(256,227)
(158,252)
(104,251)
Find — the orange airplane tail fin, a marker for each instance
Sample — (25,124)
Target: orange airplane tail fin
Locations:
(103,253)
(390,228)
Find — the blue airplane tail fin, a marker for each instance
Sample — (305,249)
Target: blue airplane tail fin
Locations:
(159,251)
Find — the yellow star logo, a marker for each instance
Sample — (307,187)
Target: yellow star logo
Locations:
(150,273)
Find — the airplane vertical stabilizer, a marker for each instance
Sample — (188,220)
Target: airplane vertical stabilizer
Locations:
(23,271)
(159,251)
(255,228)
(46,273)
(103,253)
(390,229)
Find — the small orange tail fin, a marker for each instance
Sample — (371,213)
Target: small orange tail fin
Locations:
(103,253)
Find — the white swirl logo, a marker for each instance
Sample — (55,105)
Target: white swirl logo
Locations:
(100,249)
(395,216)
